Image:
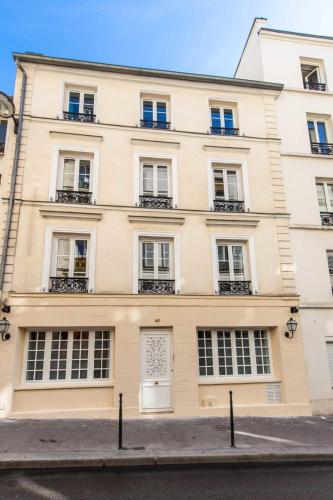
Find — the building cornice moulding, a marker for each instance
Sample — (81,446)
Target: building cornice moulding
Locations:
(157,220)
(157,142)
(70,214)
(232,221)
(75,134)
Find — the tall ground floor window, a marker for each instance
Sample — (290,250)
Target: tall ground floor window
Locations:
(229,352)
(64,355)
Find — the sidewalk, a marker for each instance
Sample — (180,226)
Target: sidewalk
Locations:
(151,442)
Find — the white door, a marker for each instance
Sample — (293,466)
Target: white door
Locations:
(156,371)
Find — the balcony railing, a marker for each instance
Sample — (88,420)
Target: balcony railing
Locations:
(224,131)
(315,86)
(156,286)
(326,218)
(64,196)
(155,124)
(228,206)
(322,148)
(79,117)
(155,202)
(68,285)
(234,288)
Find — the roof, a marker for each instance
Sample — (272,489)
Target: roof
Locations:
(32,57)
(295,33)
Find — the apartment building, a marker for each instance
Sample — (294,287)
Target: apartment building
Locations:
(149,248)
(303,63)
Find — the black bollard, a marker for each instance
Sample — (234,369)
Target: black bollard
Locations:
(120,422)
(232,428)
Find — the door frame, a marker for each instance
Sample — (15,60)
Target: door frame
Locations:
(150,331)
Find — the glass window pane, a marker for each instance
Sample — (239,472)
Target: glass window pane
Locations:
(243,357)
(205,357)
(35,355)
(321,127)
(58,355)
(224,353)
(232,185)
(162,180)
(228,118)
(3,129)
(74,102)
(68,175)
(161,112)
(84,175)
(321,197)
(330,196)
(261,351)
(163,260)
(238,262)
(63,257)
(80,258)
(219,184)
(148,112)
(88,104)
(79,355)
(148,257)
(102,356)
(215,117)
(312,133)
(148,180)
(223,262)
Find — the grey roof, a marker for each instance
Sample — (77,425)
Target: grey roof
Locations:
(131,70)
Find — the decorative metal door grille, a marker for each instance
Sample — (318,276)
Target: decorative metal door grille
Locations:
(156,356)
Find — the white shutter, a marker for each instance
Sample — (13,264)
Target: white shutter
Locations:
(330,359)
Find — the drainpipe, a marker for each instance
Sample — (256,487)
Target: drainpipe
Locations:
(14,176)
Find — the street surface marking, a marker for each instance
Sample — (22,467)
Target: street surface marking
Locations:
(268,438)
(41,491)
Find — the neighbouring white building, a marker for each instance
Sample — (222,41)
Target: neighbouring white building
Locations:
(304,64)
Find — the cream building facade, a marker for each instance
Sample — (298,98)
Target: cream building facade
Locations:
(149,249)
(303,63)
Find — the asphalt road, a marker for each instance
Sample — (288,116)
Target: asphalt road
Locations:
(208,483)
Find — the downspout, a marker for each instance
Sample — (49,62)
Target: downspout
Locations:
(14,176)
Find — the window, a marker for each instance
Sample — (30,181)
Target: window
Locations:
(329,346)
(232,269)
(155,185)
(229,352)
(222,121)
(318,136)
(80,105)
(154,113)
(325,200)
(330,267)
(69,267)
(226,189)
(311,77)
(53,356)
(3,131)
(156,266)
(74,181)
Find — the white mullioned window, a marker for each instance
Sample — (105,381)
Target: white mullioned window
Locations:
(156,259)
(231,261)
(226,183)
(155,179)
(233,352)
(65,355)
(80,101)
(154,112)
(70,256)
(75,174)
(330,266)
(325,195)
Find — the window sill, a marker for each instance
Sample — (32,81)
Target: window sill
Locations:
(63,385)
(238,380)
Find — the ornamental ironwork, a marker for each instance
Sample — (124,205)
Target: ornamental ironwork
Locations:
(228,206)
(2,148)
(155,124)
(234,288)
(156,286)
(68,285)
(326,218)
(315,86)
(322,148)
(79,117)
(224,131)
(65,196)
(155,202)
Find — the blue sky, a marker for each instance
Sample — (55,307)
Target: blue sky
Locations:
(204,36)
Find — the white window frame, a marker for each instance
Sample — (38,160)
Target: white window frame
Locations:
(61,152)
(72,239)
(145,157)
(248,253)
(319,64)
(46,382)
(222,104)
(155,242)
(77,87)
(155,99)
(155,164)
(235,377)
(241,167)
(329,253)
(326,193)
(230,244)
(315,121)
(77,160)
(137,236)
(50,234)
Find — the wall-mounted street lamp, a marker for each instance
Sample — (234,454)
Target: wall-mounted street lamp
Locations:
(292,327)
(7,108)
(4,327)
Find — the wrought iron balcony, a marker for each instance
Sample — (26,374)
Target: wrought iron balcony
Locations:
(79,117)
(64,196)
(224,131)
(315,86)
(2,148)
(155,202)
(322,148)
(228,206)
(68,285)
(326,218)
(156,286)
(234,288)
(155,124)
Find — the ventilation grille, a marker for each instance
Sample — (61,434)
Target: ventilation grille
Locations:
(273,393)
